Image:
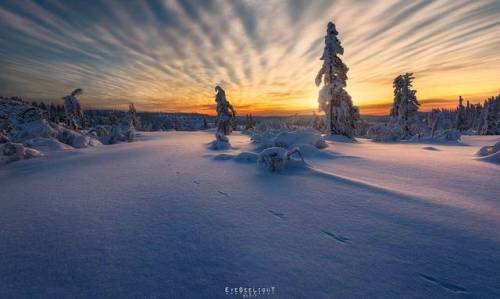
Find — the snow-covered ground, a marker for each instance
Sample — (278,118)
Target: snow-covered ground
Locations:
(168,218)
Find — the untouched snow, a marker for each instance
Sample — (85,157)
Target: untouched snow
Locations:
(168,218)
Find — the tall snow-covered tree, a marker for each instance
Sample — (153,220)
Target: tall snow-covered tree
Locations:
(249,122)
(225,112)
(333,98)
(461,122)
(205,123)
(136,121)
(73,110)
(405,107)
(490,117)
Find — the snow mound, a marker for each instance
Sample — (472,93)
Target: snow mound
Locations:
(47,144)
(490,153)
(223,157)
(247,157)
(444,136)
(291,139)
(488,150)
(288,139)
(385,133)
(243,157)
(309,151)
(124,132)
(33,129)
(14,112)
(10,152)
(221,142)
(341,138)
(76,139)
(219,145)
(493,158)
(275,159)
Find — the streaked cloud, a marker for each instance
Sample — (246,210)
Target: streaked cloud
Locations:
(168,55)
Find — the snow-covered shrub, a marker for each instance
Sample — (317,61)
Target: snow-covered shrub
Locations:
(247,157)
(490,153)
(291,139)
(100,131)
(385,132)
(445,136)
(267,136)
(221,142)
(448,135)
(123,132)
(3,138)
(76,139)
(14,112)
(275,159)
(10,152)
(488,150)
(33,129)
(46,144)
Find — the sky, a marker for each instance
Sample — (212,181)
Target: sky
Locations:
(169,55)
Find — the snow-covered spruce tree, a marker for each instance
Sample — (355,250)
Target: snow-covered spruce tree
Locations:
(461,122)
(73,110)
(405,107)
(205,123)
(333,98)
(225,112)
(136,121)
(490,116)
(224,120)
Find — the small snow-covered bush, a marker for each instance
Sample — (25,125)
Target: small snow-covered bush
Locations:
(268,137)
(221,142)
(10,152)
(385,132)
(100,131)
(490,153)
(3,138)
(448,135)
(247,157)
(291,139)
(488,150)
(46,144)
(445,136)
(76,139)
(33,129)
(275,159)
(124,132)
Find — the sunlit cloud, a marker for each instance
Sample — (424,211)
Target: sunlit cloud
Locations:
(168,55)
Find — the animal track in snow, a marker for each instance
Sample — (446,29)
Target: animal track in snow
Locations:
(223,193)
(446,285)
(277,214)
(339,238)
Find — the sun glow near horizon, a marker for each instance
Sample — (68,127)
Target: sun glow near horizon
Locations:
(169,55)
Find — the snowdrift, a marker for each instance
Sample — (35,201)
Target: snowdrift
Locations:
(11,152)
(393,133)
(385,133)
(490,153)
(267,137)
(22,124)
